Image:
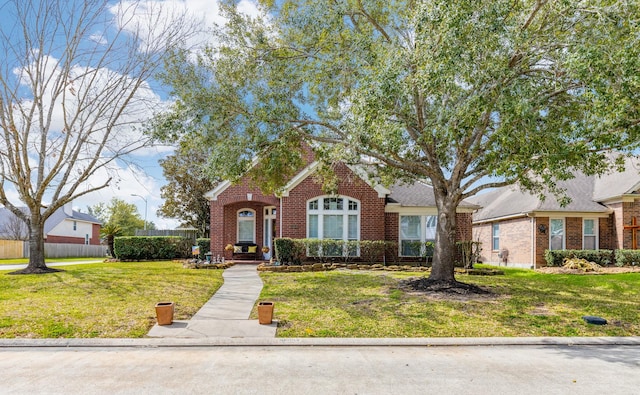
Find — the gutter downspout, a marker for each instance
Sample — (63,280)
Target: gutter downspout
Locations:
(533,240)
(281,225)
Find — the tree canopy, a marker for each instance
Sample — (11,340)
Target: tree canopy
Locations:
(120,214)
(187,183)
(470,95)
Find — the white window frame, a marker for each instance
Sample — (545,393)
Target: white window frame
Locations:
(596,226)
(346,211)
(564,233)
(424,219)
(248,218)
(495,226)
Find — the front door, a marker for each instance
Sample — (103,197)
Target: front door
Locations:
(269,222)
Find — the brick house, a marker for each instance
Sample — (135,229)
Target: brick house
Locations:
(516,227)
(359,210)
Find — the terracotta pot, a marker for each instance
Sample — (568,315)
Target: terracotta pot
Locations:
(164,313)
(265,313)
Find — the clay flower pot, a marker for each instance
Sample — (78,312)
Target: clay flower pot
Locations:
(164,313)
(265,313)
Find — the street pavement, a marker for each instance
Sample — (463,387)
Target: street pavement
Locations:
(330,366)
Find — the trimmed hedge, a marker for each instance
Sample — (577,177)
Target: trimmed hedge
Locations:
(627,257)
(294,251)
(138,248)
(557,257)
(289,251)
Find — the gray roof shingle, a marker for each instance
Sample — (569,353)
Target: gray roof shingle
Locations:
(418,194)
(586,193)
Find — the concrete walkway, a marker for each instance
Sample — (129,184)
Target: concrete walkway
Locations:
(226,314)
(22,265)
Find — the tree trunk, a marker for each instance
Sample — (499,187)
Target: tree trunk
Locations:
(445,249)
(36,249)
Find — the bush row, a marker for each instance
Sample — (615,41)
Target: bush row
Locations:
(295,251)
(138,248)
(627,257)
(557,257)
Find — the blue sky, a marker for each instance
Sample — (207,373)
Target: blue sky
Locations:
(143,175)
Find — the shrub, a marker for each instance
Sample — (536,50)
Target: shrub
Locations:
(372,251)
(470,251)
(137,248)
(627,257)
(557,257)
(205,246)
(329,249)
(289,251)
(391,251)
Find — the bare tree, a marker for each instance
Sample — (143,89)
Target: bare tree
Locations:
(13,228)
(74,88)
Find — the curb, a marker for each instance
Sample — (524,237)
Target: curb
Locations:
(321,342)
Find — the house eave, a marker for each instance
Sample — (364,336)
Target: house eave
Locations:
(626,198)
(215,192)
(428,210)
(569,214)
(501,218)
(298,178)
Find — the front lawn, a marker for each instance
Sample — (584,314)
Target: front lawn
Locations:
(101,299)
(525,303)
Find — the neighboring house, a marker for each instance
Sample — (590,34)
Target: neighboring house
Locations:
(516,227)
(359,211)
(64,226)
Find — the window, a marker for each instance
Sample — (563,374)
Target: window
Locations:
(556,234)
(589,234)
(495,237)
(336,218)
(415,230)
(86,239)
(75,225)
(246,226)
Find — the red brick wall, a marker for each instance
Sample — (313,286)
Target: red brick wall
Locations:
(224,213)
(95,235)
(464,230)
(515,237)
(573,236)
(606,233)
(64,239)
(372,215)
(629,210)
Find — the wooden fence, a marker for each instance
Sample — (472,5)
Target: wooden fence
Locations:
(11,249)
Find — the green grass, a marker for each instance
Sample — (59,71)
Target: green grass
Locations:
(18,261)
(525,303)
(100,300)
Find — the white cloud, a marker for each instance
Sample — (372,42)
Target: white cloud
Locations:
(152,16)
(98,38)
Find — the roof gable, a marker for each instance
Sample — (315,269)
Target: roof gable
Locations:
(616,184)
(511,200)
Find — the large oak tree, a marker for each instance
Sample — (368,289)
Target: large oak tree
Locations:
(468,94)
